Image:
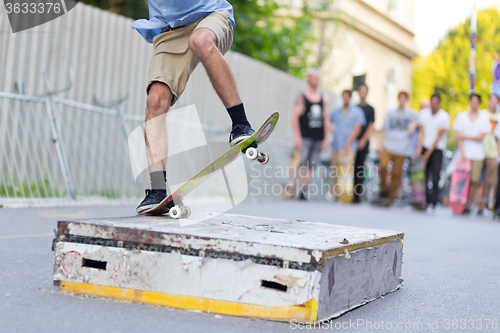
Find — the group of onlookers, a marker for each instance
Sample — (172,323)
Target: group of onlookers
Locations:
(405,134)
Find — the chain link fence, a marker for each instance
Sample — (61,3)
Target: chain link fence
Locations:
(29,162)
(54,149)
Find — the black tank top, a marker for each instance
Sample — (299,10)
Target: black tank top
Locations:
(311,122)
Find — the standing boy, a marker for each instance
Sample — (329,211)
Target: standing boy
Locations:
(471,127)
(310,127)
(363,141)
(346,122)
(396,146)
(435,122)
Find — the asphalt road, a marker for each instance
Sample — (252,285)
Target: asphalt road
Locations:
(451,267)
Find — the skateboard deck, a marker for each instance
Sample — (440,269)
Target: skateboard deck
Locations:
(291,172)
(459,185)
(172,204)
(345,180)
(418,185)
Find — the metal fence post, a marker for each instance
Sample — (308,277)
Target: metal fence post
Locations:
(54,127)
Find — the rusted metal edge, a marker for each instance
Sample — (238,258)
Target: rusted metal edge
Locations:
(206,253)
(363,245)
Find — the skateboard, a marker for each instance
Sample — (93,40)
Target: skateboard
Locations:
(345,178)
(173,205)
(291,172)
(459,185)
(418,185)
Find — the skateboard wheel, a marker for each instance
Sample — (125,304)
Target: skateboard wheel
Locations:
(175,212)
(263,158)
(251,153)
(186,211)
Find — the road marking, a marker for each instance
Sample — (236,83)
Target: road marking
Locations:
(80,214)
(26,236)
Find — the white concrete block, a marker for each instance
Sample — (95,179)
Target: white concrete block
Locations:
(230,264)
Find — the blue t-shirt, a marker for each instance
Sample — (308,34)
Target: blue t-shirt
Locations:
(176,13)
(344,126)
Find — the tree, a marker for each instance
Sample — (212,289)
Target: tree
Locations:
(283,41)
(446,69)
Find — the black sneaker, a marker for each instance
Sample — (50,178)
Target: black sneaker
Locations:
(240,133)
(379,198)
(152,199)
(466,212)
(303,195)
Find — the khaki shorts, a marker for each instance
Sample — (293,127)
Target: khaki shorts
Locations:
(173,62)
(476,168)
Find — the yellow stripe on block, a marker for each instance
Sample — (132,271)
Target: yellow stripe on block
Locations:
(307,312)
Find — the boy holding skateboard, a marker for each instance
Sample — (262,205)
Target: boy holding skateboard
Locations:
(396,146)
(471,128)
(435,122)
(310,127)
(183,35)
(346,123)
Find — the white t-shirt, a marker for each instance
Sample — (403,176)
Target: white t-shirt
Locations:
(473,150)
(432,124)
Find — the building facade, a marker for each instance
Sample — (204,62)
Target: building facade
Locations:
(371,40)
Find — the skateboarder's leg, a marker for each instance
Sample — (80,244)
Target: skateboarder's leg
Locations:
(155,134)
(210,40)
(158,104)
(203,43)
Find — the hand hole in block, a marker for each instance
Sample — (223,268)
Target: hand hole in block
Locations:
(273,285)
(94,263)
